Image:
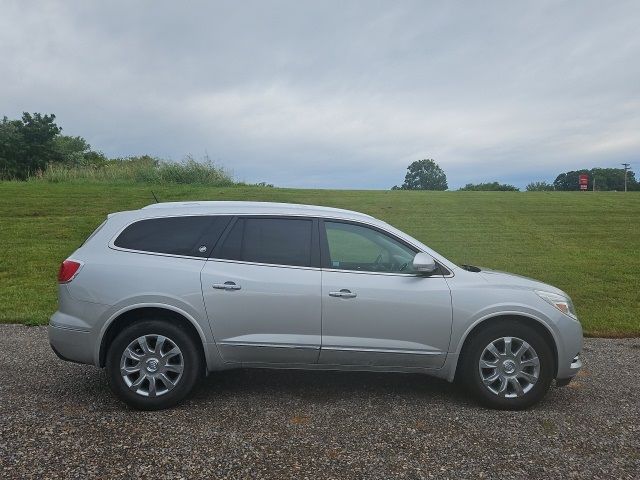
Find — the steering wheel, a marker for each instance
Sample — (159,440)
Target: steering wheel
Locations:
(377,266)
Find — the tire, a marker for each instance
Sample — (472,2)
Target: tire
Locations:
(173,373)
(508,368)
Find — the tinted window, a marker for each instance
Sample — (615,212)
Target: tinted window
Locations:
(355,247)
(232,246)
(193,236)
(269,240)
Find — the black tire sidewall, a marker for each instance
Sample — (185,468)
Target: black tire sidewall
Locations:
(471,357)
(191,357)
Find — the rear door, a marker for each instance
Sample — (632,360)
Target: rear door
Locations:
(261,289)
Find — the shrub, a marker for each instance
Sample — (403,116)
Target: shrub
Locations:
(540,187)
(489,187)
(143,169)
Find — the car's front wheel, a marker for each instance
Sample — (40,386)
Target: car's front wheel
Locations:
(153,364)
(508,365)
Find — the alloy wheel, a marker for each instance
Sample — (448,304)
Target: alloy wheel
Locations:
(152,365)
(509,367)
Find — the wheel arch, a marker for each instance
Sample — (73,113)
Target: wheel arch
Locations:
(543,329)
(133,314)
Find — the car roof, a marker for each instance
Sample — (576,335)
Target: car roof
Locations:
(248,208)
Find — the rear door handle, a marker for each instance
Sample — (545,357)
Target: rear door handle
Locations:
(226,286)
(344,293)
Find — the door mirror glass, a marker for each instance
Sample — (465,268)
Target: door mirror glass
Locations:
(424,263)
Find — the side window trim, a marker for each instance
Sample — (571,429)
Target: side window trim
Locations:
(215,251)
(315,239)
(230,221)
(325,258)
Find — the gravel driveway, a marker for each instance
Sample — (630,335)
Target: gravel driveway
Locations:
(59,420)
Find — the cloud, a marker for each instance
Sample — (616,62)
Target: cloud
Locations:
(328,94)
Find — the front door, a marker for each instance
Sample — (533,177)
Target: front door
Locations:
(375,309)
(262,291)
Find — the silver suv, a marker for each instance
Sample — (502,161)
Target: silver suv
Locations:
(163,295)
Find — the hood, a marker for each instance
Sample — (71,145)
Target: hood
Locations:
(495,277)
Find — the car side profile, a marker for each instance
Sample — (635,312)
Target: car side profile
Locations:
(166,294)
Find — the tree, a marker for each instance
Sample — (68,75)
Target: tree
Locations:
(569,180)
(76,151)
(27,145)
(490,187)
(424,175)
(540,187)
(605,178)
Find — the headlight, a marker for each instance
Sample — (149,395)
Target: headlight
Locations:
(561,302)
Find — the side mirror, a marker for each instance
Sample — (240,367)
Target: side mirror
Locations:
(424,263)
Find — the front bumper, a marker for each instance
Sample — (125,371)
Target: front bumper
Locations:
(571,372)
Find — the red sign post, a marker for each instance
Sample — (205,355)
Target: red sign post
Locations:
(584,181)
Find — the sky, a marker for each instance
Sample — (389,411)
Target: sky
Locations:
(336,94)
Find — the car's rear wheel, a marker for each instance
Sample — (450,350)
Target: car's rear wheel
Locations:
(153,364)
(507,365)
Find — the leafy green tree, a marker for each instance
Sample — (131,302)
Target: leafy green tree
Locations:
(569,180)
(605,178)
(27,145)
(540,187)
(424,175)
(12,147)
(76,152)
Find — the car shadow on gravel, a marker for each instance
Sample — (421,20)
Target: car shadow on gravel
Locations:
(326,386)
(318,387)
(81,386)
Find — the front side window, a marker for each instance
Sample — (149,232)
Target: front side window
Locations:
(278,241)
(359,248)
(192,236)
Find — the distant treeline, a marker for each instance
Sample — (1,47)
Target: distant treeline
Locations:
(606,179)
(426,174)
(33,148)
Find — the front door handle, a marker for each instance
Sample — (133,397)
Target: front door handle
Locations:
(344,293)
(226,286)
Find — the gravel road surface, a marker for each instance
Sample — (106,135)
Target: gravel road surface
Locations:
(59,420)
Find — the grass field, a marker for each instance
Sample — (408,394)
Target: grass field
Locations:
(587,244)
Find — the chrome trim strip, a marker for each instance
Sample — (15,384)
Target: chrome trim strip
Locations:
(337,270)
(382,350)
(225,260)
(337,349)
(158,254)
(71,329)
(392,274)
(268,345)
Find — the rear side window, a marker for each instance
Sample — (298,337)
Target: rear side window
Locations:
(193,236)
(280,241)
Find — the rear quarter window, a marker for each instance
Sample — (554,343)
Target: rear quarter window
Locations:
(193,236)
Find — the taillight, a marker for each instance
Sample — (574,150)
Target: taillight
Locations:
(68,270)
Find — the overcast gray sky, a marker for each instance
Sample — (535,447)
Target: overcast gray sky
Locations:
(338,94)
